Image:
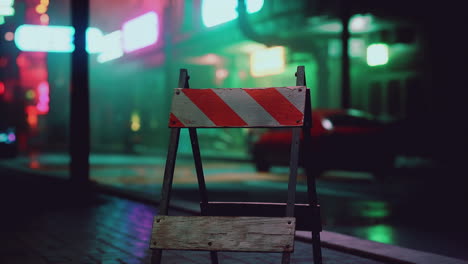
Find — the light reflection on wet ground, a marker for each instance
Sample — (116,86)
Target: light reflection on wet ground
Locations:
(352,203)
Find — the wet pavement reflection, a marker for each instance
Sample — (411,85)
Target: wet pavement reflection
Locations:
(392,212)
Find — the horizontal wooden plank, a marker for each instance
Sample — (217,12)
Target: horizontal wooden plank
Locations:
(238,107)
(217,233)
(307,218)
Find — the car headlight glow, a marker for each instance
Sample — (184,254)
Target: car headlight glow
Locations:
(327,124)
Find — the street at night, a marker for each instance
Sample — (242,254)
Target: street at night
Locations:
(233,131)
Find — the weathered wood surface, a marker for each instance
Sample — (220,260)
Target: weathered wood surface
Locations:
(238,107)
(215,233)
(306,216)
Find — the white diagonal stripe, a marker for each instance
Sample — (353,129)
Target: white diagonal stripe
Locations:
(296,97)
(246,107)
(187,112)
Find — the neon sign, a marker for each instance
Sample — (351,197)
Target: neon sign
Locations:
(6,8)
(137,33)
(140,32)
(44,38)
(113,44)
(215,12)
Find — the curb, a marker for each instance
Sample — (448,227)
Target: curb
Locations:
(354,246)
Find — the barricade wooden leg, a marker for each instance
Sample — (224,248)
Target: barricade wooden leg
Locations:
(286,258)
(293,164)
(167,184)
(311,186)
(201,180)
(316,248)
(156,257)
(214,257)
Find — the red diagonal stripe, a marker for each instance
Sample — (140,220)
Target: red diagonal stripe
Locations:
(214,107)
(278,106)
(174,121)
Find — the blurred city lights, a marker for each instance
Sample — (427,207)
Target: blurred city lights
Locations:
(94,40)
(380,233)
(9,36)
(41,9)
(6,9)
(113,44)
(7,2)
(137,33)
(357,47)
(30,95)
(32,120)
(268,61)
(43,98)
(135,122)
(54,38)
(221,74)
(11,137)
(208,59)
(140,32)
(2,88)
(357,24)
(44,18)
(327,124)
(215,12)
(8,137)
(45,38)
(360,23)
(377,54)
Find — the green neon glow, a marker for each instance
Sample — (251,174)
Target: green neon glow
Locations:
(3,137)
(267,61)
(374,209)
(2,20)
(381,233)
(216,12)
(360,23)
(377,54)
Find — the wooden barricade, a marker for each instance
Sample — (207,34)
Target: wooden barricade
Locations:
(239,226)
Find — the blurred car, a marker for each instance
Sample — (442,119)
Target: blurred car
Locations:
(340,139)
(8,145)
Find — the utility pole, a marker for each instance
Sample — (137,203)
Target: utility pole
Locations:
(345,15)
(79,97)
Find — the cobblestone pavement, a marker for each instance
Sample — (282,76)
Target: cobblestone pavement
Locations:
(108,230)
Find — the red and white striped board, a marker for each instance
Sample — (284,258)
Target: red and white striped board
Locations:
(238,107)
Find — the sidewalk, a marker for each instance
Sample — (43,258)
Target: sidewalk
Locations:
(47,224)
